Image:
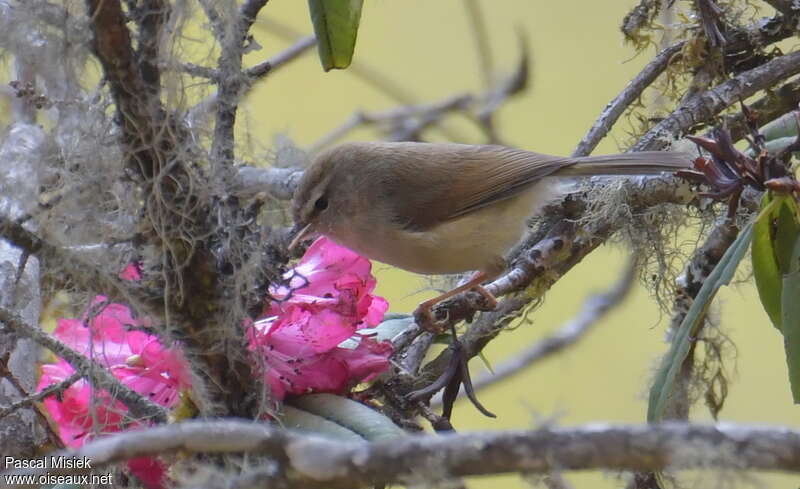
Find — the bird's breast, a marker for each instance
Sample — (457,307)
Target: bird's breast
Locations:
(475,241)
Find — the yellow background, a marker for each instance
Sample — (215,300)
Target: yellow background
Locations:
(579,64)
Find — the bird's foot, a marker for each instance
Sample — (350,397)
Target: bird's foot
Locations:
(454,376)
(489,300)
(426,319)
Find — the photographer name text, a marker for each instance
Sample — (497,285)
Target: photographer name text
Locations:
(50,462)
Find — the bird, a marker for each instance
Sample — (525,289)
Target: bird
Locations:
(443,208)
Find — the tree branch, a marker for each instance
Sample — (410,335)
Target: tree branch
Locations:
(140,407)
(312,462)
(708,104)
(230,82)
(292,52)
(629,94)
(40,396)
(278,183)
(594,309)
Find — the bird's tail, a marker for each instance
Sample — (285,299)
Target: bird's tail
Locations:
(642,163)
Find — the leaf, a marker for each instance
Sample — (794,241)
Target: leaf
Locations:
(336,26)
(393,324)
(785,233)
(354,416)
(297,419)
(790,318)
(766,272)
(784,126)
(671,364)
(485,361)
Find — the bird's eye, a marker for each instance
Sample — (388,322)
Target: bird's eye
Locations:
(321,204)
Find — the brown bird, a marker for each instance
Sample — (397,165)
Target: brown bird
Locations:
(439,208)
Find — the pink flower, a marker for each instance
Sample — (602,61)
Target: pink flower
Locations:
(309,336)
(132,272)
(137,358)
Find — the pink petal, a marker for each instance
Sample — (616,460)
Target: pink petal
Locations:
(132,272)
(149,470)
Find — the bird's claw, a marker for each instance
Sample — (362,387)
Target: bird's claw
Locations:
(426,320)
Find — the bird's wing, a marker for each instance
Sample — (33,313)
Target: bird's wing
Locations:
(457,179)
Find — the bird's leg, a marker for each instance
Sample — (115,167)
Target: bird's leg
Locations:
(454,376)
(424,314)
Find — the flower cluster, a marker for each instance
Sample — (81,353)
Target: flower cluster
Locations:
(309,334)
(307,340)
(108,334)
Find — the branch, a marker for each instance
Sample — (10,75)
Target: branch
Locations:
(406,123)
(594,309)
(769,31)
(388,85)
(230,82)
(40,396)
(542,260)
(139,110)
(151,17)
(251,74)
(484,50)
(312,462)
(140,407)
(708,104)
(768,108)
(629,94)
(292,52)
(278,183)
(90,276)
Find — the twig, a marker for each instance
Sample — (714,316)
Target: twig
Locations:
(230,82)
(629,94)
(91,276)
(706,105)
(316,462)
(140,407)
(594,309)
(40,396)
(292,52)
(407,123)
(769,107)
(278,183)
(139,109)
(151,17)
(402,123)
(365,72)
(214,18)
(481,41)
(9,376)
(251,75)
(542,260)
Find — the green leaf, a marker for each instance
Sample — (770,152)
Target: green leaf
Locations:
(671,364)
(393,324)
(790,318)
(485,361)
(782,127)
(785,232)
(766,271)
(775,146)
(354,416)
(336,26)
(297,419)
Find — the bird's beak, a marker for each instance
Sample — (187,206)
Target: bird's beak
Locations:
(303,234)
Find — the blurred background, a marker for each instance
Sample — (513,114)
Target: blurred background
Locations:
(579,63)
